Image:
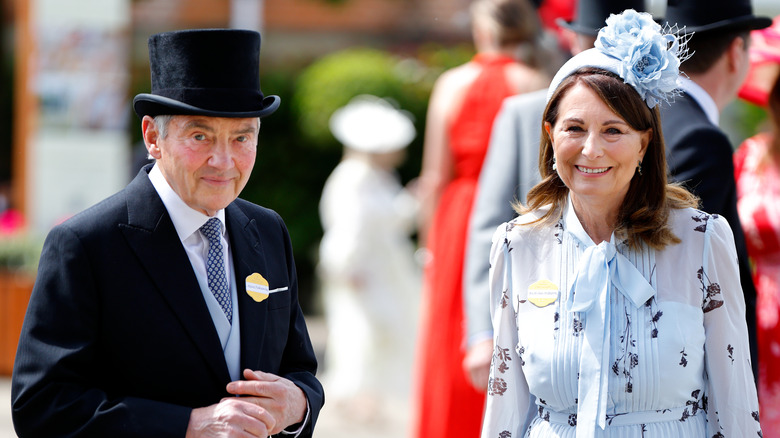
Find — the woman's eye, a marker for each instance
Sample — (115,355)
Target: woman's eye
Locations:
(614,131)
(573,129)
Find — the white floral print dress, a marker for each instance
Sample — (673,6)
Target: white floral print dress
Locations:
(645,344)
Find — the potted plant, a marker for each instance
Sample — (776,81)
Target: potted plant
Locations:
(19,253)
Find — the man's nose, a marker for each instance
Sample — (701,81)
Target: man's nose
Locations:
(221,156)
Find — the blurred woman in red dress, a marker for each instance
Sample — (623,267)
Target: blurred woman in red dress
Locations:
(462,107)
(757,172)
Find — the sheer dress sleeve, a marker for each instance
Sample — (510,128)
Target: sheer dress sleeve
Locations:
(732,406)
(508,399)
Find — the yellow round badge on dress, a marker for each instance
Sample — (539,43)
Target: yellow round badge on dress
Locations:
(542,293)
(257,287)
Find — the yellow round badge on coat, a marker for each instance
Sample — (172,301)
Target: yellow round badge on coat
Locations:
(542,293)
(257,287)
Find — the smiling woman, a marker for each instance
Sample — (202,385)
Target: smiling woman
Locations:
(595,120)
(598,145)
(611,295)
(597,155)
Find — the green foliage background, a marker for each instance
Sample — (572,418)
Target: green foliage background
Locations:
(297,152)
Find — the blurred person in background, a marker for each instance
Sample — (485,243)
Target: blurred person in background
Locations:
(461,110)
(757,172)
(698,152)
(511,168)
(370,282)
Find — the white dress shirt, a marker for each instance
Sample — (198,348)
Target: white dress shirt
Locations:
(705,101)
(187,223)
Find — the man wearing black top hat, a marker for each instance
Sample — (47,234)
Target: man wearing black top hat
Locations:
(510,169)
(171,308)
(698,152)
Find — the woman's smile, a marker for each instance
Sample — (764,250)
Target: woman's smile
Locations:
(592,170)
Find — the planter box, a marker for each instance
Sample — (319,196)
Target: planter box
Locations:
(15,290)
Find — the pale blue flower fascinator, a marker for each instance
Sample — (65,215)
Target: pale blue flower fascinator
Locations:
(637,49)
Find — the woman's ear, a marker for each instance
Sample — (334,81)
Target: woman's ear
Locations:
(548,128)
(645,137)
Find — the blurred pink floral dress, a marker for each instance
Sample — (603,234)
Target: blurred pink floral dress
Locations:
(758,194)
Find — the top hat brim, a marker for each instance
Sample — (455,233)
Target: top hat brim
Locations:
(153,105)
(576,27)
(735,24)
(585,30)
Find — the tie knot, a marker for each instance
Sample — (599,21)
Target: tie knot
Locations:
(608,249)
(212,230)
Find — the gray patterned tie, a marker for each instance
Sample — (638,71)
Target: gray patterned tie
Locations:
(215,266)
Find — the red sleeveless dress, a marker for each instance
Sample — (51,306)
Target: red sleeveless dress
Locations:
(447,405)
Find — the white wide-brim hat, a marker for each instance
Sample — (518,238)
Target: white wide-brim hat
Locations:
(372,124)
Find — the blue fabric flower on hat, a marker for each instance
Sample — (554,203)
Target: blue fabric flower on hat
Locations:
(649,60)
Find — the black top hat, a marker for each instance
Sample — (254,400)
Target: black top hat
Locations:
(705,15)
(209,72)
(592,14)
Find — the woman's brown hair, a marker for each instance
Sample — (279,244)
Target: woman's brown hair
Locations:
(644,214)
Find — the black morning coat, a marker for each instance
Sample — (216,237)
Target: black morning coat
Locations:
(700,155)
(118,341)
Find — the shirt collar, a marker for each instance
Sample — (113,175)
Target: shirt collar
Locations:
(705,101)
(185,219)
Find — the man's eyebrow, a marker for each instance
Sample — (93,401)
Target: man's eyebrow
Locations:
(197,124)
(247,130)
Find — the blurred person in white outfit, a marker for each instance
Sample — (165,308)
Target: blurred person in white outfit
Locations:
(370,281)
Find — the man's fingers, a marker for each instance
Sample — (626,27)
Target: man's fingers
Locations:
(258,384)
(280,397)
(231,417)
(259,375)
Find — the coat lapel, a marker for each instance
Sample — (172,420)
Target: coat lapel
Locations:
(248,258)
(151,235)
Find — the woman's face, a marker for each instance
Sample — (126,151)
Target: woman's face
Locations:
(596,151)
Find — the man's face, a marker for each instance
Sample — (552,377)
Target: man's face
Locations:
(206,160)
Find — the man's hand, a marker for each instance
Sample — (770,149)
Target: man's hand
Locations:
(276,395)
(231,417)
(477,363)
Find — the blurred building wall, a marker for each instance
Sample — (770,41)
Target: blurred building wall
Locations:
(78,146)
(90,57)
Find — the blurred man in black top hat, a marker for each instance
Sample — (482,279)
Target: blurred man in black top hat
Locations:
(510,169)
(698,153)
(171,308)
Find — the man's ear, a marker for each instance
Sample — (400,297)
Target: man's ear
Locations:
(737,54)
(151,136)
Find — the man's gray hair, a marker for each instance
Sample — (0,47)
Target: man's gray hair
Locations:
(161,123)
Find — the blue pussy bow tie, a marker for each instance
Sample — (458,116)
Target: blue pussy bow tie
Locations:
(600,268)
